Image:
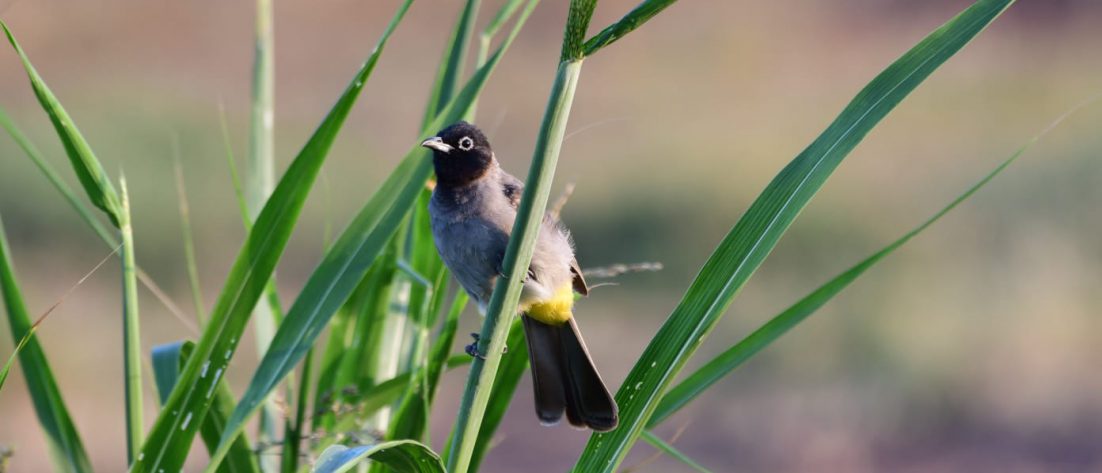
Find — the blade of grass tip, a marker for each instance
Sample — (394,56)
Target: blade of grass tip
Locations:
(503,303)
(88,169)
(345,263)
(168,361)
(189,242)
(170,439)
(487,36)
(761,227)
(722,365)
(64,443)
(231,163)
(404,456)
(634,19)
(451,66)
(131,335)
(259,182)
(672,452)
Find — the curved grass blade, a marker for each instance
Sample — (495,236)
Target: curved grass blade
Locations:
(170,438)
(15,354)
(451,66)
(88,169)
(672,452)
(758,231)
(634,19)
(722,365)
(168,361)
(65,446)
(36,157)
(400,456)
(348,259)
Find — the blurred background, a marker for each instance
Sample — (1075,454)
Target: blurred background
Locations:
(977,347)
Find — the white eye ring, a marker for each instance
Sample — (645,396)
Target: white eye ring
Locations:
(466,143)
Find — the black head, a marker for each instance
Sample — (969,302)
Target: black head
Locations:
(460,153)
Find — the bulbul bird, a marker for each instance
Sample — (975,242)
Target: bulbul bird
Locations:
(472,211)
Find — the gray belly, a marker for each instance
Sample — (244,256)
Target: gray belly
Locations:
(473,250)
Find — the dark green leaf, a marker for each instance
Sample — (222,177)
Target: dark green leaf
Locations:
(65,447)
(758,231)
(88,168)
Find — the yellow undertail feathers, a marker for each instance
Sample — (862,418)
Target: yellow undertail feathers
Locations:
(554,311)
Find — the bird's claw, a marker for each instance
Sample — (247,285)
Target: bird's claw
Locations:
(472,349)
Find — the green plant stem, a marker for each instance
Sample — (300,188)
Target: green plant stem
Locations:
(503,304)
(132,350)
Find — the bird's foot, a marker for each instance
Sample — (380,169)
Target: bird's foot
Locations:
(472,349)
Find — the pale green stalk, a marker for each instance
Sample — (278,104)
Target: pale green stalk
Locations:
(132,350)
(503,304)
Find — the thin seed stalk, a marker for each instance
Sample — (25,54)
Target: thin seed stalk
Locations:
(132,350)
(503,305)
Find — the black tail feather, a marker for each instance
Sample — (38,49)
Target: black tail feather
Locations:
(565,379)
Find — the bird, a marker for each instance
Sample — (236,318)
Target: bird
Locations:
(473,206)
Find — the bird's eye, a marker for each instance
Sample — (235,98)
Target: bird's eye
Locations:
(466,143)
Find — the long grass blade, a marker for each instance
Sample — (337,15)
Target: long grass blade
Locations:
(348,259)
(758,231)
(189,242)
(87,215)
(451,66)
(168,362)
(40,162)
(88,168)
(400,456)
(65,446)
(672,452)
(170,439)
(726,362)
(132,349)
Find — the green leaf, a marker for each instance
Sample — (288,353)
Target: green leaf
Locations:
(451,65)
(88,168)
(36,157)
(168,361)
(758,231)
(672,452)
(400,456)
(634,19)
(345,263)
(170,438)
(722,365)
(65,447)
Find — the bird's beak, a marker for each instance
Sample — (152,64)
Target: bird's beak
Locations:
(438,144)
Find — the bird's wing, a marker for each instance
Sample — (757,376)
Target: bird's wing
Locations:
(513,188)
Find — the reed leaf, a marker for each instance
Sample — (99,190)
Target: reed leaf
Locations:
(399,456)
(758,231)
(64,444)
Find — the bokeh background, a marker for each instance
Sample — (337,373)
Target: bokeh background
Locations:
(978,347)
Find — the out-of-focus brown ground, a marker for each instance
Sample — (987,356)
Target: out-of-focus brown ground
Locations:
(975,348)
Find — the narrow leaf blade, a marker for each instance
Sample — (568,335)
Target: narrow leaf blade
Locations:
(758,231)
(400,456)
